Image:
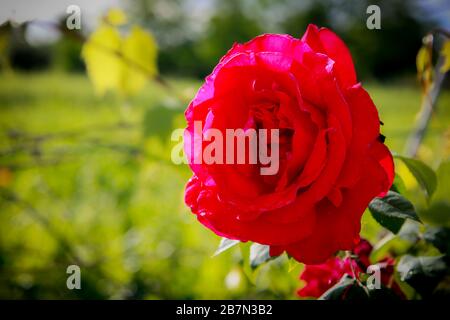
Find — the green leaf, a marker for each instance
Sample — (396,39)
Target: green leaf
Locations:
(259,254)
(224,245)
(392,210)
(424,175)
(438,237)
(391,223)
(337,291)
(398,185)
(407,290)
(346,289)
(422,273)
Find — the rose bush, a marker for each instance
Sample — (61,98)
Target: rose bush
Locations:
(332,162)
(321,277)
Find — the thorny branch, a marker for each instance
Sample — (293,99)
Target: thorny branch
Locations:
(428,102)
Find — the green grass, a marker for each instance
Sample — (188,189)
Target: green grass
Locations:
(88,180)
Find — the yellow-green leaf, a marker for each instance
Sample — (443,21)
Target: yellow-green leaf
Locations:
(140,53)
(117,63)
(424,67)
(292,264)
(445,51)
(423,59)
(100,53)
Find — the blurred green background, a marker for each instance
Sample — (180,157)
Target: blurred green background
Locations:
(88,180)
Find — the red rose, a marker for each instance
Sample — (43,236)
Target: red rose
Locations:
(321,277)
(331,160)
(363,250)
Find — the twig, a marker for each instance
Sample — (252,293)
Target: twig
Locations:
(26,139)
(349,256)
(428,101)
